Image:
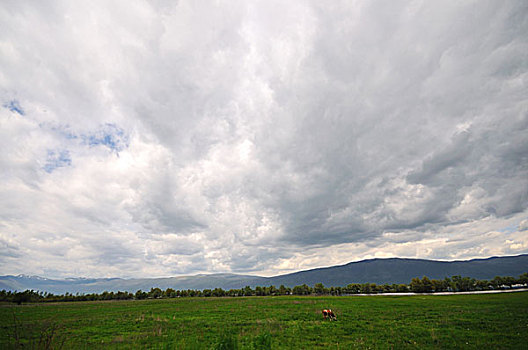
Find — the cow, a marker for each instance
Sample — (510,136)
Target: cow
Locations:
(330,314)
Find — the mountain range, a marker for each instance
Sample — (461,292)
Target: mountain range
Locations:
(380,271)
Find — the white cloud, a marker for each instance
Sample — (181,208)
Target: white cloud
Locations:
(161,138)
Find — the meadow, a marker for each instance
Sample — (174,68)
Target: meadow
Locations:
(498,321)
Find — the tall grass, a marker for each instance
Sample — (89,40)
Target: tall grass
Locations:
(291,322)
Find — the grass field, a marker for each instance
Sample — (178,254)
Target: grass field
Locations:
(495,321)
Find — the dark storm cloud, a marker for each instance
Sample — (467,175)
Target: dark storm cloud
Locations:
(174,137)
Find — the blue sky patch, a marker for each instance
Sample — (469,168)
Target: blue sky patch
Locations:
(108,135)
(14,106)
(57,159)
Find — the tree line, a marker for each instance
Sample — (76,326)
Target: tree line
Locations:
(417,285)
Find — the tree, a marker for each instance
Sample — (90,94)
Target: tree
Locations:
(119,296)
(282,290)
(218,292)
(155,293)
(416,285)
(272,290)
(438,285)
(523,279)
(297,290)
(402,288)
(386,288)
(22,297)
(462,284)
(353,288)
(248,291)
(319,289)
(427,285)
(482,284)
(449,284)
(169,293)
(509,281)
(302,290)
(366,288)
(307,289)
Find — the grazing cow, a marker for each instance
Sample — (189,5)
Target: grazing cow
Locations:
(330,314)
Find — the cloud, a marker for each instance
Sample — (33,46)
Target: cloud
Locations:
(523,225)
(160,138)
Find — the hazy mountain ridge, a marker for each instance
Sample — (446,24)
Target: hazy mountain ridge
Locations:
(390,270)
(401,270)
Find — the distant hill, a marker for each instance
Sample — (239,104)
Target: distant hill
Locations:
(397,270)
(99,285)
(392,270)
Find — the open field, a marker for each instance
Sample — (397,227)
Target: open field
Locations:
(498,321)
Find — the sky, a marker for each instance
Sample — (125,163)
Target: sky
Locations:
(166,138)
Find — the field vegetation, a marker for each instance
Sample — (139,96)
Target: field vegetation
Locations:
(498,321)
(417,285)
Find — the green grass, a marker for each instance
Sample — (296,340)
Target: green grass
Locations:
(496,321)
